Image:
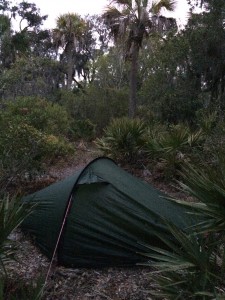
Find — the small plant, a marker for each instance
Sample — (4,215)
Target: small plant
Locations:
(24,149)
(193,264)
(123,139)
(12,213)
(168,140)
(82,129)
(54,147)
(207,120)
(38,113)
(190,268)
(32,135)
(172,146)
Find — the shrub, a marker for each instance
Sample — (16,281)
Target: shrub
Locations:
(24,149)
(99,105)
(31,136)
(44,116)
(172,146)
(54,147)
(214,143)
(82,129)
(123,139)
(207,120)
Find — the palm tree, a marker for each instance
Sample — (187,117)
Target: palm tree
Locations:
(68,35)
(130,22)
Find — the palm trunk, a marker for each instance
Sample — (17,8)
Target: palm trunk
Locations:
(70,64)
(133,81)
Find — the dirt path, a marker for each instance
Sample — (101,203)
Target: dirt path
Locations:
(72,165)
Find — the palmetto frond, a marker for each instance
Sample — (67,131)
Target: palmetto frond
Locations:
(112,13)
(189,267)
(208,186)
(117,21)
(58,38)
(169,5)
(12,213)
(122,2)
(70,35)
(132,20)
(70,24)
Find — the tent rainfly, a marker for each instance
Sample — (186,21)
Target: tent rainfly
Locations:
(108,217)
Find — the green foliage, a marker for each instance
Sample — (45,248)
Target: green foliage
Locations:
(207,120)
(44,116)
(73,37)
(111,70)
(124,27)
(172,146)
(29,12)
(168,89)
(208,186)
(54,147)
(20,147)
(123,139)
(97,104)
(82,129)
(189,269)
(193,266)
(25,149)
(12,213)
(158,144)
(31,77)
(5,23)
(205,35)
(31,136)
(214,144)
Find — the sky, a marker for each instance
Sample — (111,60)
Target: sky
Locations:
(84,7)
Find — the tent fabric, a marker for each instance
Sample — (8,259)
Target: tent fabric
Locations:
(112,216)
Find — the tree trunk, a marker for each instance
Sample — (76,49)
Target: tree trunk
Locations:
(133,81)
(70,64)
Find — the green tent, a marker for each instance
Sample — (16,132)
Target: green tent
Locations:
(101,216)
